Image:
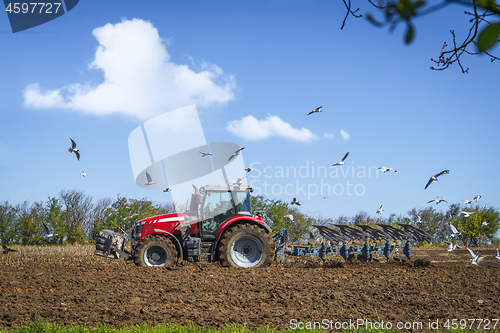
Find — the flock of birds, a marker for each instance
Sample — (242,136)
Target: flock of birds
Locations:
(451,247)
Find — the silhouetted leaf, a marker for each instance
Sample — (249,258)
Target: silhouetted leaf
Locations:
(488,37)
(488,4)
(409,34)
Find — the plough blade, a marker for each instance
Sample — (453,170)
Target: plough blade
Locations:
(375,233)
(331,234)
(395,233)
(417,233)
(354,234)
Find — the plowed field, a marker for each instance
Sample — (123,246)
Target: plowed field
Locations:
(434,285)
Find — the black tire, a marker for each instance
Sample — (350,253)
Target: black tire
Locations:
(157,251)
(245,246)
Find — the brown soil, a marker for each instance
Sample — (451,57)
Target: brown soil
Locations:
(434,285)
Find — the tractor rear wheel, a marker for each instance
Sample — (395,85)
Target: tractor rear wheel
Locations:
(246,246)
(156,251)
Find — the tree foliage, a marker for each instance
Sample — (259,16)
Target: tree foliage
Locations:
(484,25)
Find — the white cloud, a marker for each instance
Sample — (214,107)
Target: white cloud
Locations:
(255,130)
(345,135)
(328,135)
(139,78)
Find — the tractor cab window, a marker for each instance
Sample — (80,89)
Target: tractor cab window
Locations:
(243,203)
(217,209)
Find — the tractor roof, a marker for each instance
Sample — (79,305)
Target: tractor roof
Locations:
(225,188)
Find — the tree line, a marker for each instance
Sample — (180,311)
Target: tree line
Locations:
(77,218)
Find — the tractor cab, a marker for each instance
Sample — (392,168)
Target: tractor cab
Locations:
(218,204)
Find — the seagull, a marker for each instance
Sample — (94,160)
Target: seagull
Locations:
(7,250)
(498,255)
(435,177)
(83,174)
(452,247)
(204,154)
(380,210)
(289,217)
(238,181)
(343,159)
(248,169)
(475,257)
(454,231)
(467,201)
(477,197)
(467,214)
(318,109)
(311,239)
(385,169)
(150,180)
(167,189)
(48,234)
(295,202)
(484,224)
(437,201)
(73,149)
(236,153)
(324,197)
(419,219)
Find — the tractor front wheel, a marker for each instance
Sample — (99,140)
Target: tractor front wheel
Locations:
(246,246)
(155,252)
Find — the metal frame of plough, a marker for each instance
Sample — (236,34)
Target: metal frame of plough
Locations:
(351,242)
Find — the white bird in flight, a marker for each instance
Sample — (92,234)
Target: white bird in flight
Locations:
(289,217)
(452,247)
(204,154)
(318,109)
(295,202)
(83,174)
(467,201)
(48,234)
(236,153)
(437,201)
(343,159)
(475,257)
(484,224)
(380,210)
(150,180)
(477,197)
(167,189)
(454,231)
(467,214)
(385,169)
(73,149)
(248,169)
(498,255)
(419,219)
(435,177)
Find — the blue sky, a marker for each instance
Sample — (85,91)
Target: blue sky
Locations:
(254,70)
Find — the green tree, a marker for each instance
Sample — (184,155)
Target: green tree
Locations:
(123,213)
(30,218)
(474,232)
(8,223)
(274,211)
(54,218)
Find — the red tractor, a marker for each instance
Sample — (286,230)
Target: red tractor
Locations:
(218,226)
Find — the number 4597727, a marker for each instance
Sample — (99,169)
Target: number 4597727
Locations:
(24,7)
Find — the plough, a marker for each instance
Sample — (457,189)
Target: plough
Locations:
(364,242)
